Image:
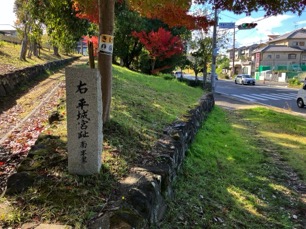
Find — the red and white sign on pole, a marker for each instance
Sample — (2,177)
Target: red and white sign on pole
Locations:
(106,44)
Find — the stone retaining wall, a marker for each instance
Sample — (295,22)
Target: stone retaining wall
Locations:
(145,190)
(9,81)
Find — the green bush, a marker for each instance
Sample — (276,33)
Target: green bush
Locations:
(224,75)
(295,81)
(1,44)
(168,76)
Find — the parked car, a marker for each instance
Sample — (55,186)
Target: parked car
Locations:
(301,97)
(244,79)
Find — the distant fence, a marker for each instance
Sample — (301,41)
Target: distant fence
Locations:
(10,39)
(17,40)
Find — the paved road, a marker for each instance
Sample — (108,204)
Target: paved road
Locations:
(277,95)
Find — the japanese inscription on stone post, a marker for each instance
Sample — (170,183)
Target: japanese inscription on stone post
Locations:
(84,120)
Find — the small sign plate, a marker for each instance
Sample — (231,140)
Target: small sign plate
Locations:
(226,25)
(106,44)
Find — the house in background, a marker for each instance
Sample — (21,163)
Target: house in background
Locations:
(243,60)
(285,52)
(8,30)
(280,53)
(9,33)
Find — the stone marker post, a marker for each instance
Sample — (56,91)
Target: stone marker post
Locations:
(84,120)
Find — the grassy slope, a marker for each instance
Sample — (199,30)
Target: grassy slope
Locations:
(9,55)
(141,106)
(235,175)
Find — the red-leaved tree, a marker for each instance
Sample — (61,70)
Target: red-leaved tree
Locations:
(160,44)
(174,15)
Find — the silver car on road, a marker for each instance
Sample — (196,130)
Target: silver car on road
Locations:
(244,79)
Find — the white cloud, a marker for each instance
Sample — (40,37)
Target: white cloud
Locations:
(265,26)
(301,22)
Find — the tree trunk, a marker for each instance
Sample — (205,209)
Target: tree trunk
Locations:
(30,51)
(106,27)
(35,49)
(205,75)
(153,65)
(55,51)
(39,48)
(91,54)
(24,46)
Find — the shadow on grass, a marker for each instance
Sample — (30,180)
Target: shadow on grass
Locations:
(54,195)
(236,182)
(4,54)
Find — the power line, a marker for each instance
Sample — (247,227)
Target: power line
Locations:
(229,16)
(262,18)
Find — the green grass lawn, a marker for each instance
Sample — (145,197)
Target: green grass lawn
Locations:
(235,174)
(9,55)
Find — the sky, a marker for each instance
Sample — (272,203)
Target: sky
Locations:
(275,25)
(7,15)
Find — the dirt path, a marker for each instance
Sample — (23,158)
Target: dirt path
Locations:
(22,123)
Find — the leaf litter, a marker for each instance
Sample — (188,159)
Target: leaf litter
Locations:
(18,134)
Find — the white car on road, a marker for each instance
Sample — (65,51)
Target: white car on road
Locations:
(244,79)
(301,97)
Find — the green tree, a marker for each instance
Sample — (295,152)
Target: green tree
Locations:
(28,28)
(201,56)
(60,18)
(126,47)
(223,63)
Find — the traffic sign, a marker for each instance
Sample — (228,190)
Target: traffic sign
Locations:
(227,25)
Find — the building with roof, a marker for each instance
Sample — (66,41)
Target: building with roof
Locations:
(9,33)
(8,30)
(242,58)
(285,52)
